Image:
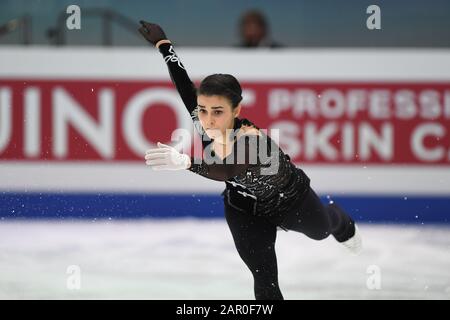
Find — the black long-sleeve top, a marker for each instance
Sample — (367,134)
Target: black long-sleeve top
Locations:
(267,184)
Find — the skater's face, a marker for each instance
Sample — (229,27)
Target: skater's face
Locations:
(216,115)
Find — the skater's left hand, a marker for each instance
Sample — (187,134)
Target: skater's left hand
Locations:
(166,158)
(152,32)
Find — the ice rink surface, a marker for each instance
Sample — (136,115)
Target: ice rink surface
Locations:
(196,259)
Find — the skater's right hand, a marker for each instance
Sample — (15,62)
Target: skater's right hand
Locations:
(166,157)
(152,32)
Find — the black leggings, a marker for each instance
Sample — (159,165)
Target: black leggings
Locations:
(255,236)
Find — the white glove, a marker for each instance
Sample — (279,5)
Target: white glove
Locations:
(166,158)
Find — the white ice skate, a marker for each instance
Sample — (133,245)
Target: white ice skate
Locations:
(354,244)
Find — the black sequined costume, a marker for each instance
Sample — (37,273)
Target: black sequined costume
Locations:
(261,194)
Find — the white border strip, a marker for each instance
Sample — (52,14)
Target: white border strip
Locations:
(132,177)
(270,65)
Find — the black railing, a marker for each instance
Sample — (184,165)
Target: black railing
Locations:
(57,34)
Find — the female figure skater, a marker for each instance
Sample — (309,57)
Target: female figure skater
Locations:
(261,194)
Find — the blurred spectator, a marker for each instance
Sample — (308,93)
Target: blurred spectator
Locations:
(254,31)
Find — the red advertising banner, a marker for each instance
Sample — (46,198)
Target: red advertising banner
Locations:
(323,122)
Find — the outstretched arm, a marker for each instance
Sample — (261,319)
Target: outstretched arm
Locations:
(166,157)
(246,154)
(186,89)
(218,172)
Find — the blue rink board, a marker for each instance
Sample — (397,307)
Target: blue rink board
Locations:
(368,208)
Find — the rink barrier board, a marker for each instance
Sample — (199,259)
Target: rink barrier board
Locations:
(86,71)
